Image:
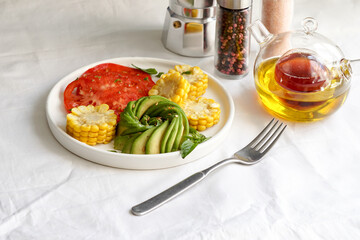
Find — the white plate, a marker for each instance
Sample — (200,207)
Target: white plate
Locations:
(56,115)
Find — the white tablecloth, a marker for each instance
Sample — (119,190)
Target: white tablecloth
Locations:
(307,187)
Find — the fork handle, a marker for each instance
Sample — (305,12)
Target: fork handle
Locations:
(167,195)
(175,190)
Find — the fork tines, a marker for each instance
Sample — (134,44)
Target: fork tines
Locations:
(267,137)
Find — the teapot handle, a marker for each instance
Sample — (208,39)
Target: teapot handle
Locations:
(354,60)
(355,64)
(260,32)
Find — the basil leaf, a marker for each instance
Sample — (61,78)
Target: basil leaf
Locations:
(194,139)
(187,147)
(148,70)
(159,74)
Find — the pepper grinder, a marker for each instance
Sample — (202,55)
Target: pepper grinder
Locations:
(232,42)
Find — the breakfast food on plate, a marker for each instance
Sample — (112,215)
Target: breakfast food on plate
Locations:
(196,77)
(148,118)
(202,113)
(172,86)
(108,83)
(91,125)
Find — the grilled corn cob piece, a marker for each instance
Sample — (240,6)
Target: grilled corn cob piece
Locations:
(91,125)
(173,86)
(196,77)
(202,113)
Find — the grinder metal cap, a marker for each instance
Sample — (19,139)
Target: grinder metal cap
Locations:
(235,4)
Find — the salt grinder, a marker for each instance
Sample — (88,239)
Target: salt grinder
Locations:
(189,27)
(277,15)
(232,42)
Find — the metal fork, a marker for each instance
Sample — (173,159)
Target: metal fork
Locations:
(249,155)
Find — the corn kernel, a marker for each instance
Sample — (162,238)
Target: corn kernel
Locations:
(83,139)
(84,134)
(83,109)
(202,122)
(103,126)
(92,139)
(176,98)
(201,127)
(77,128)
(210,124)
(93,134)
(193,122)
(85,128)
(94,128)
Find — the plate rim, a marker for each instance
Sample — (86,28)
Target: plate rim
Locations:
(59,133)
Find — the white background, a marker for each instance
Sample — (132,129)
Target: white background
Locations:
(307,187)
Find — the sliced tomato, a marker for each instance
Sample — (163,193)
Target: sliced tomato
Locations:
(109,83)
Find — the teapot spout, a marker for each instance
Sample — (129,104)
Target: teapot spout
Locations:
(259,32)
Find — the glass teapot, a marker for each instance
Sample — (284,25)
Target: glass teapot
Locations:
(300,75)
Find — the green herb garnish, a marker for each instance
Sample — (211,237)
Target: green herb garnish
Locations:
(194,139)
(159,74)
(187,73)
(148,70)
(117,80)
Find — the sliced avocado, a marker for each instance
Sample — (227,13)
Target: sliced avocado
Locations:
(120,141)
(171,139)
(179,136)
(154,142)
(139,144)
(146,103)
(128,144)
(137,104)
(157,108)
(167,134)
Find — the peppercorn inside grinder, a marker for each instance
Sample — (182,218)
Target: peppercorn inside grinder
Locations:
(232,45)
(189,27)
(300,75)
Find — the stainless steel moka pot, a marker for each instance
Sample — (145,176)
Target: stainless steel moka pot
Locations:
(189,27)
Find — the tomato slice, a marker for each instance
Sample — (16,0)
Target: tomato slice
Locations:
(108,83)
